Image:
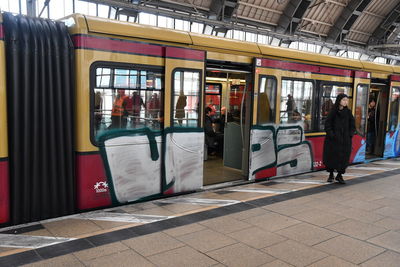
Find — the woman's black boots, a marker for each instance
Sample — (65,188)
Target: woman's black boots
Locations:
(339,178)
(331,177)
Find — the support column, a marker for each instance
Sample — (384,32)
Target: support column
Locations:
(31,8)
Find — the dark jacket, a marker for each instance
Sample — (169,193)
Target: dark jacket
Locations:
(340,128)
(209,132)
(371,120)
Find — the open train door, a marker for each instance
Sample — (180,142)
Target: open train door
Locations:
(362,81)
(392,139)
(380,91)
(184,136)
(263,149)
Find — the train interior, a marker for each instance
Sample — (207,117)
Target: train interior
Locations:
(226,147)
(377,118)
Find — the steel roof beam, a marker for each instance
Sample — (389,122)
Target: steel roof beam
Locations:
(386,27)
(260,7)
(292,15)
(216,9)
(394,35)
(223,9)
(346,19)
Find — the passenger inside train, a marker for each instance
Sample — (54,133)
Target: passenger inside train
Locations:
(371,135)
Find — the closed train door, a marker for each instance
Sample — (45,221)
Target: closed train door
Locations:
(183,133)
(392,138)
(277,144)
(360,107)
(263,148)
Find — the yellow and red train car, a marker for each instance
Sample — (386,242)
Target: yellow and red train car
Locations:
(139,94)
(4,186)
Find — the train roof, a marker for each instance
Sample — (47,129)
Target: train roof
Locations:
(83,24)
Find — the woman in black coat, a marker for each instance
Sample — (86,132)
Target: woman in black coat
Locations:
(340,128)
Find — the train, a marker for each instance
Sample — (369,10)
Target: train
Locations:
(97,113)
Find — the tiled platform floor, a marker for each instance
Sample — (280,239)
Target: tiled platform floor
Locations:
(295,221)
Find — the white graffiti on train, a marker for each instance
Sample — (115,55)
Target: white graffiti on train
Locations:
(281,148)
(134,174)
(184,161)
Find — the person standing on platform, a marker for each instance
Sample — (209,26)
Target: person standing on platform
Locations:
(134,105)
(153,106)
(119,112)
(290,107)
(180,108)
(340,128)
(98,110)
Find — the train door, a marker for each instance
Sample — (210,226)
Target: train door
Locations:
(392,142)
(360,107)
(379,91)
(263,156)
(183,133)
(226,124)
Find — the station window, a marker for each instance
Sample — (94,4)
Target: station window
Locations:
(394,108)
(328,98)
(296,102)
(266,100)
(127,98)
(361,108)
(186,98)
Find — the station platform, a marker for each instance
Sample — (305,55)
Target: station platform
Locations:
(293,221)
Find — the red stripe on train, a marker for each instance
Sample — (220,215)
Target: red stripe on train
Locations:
(334,71)
(304,67)
(4,193)
(362,74)
(288,65)
(1,31)
(117,45)
(123,46)
(177,52)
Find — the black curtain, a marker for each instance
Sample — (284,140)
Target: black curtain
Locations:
(39,62)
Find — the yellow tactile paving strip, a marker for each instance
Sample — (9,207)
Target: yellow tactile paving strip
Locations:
(76,227)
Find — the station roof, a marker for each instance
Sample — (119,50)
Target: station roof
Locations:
(369,27)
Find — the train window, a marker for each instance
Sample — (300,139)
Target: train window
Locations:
(296,102)
(266,100)
(103,77)
(126,98)
(361,108)
(328,98)
(394,108)
(186,98)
